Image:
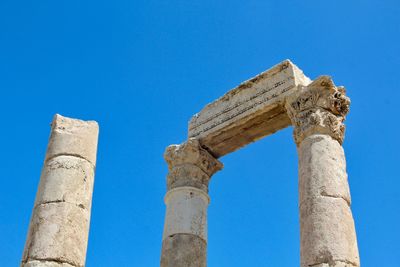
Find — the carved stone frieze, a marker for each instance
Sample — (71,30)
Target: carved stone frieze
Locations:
(190,165)
(319,108)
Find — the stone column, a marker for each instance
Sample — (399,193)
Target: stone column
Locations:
(59,227)
(185,230)
(327,232)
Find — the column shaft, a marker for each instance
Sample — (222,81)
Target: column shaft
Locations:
(185,229)
(326,222)
(327,232)
(59,227)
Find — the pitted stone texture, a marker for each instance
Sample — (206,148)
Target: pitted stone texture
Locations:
(66,179)
(73,137)
(184,250)
(58,231)
(186,212)
(36,263)
(322,169)
(248,112)
(319,108)
(327,232)
(190,165)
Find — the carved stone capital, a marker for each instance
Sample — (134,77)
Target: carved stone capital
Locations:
(319,108)
(190,165)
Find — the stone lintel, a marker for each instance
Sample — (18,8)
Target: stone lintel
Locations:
(248,112)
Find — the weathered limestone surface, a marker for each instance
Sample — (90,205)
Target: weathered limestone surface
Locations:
(185,229)
(328,236)
(184,250)
(252,110)
(66,179)
(73,137)
(58,231)
(186,212)
(59,227)
(327,232)
(324,158)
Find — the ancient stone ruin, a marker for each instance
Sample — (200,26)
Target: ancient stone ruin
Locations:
(273,100)
(59,227)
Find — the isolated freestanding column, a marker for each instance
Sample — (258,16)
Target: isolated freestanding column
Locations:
(59,227)
(328,237)
(185,230)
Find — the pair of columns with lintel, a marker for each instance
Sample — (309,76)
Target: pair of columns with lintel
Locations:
(327,232)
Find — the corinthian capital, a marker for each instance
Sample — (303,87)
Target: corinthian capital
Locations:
(190,165)
(319,108)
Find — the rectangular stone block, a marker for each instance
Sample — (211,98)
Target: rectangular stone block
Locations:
(250,111)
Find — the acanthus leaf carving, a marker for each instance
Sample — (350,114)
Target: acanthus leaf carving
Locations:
(320,107)
(190,165)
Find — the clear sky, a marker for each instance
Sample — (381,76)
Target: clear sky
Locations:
(142,68)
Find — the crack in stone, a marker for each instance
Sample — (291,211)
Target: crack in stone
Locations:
(81,206)
(332,263)
(72,155)
(187,234)
(191,165)
(55,260)
(324,194)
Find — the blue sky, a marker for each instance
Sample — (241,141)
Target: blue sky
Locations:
(143,68)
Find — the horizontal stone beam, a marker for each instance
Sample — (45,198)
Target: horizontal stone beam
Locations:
(248,112)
